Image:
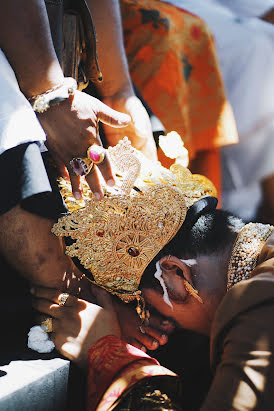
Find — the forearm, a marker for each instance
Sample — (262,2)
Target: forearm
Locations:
(111,52)
(26,242)
(28,46)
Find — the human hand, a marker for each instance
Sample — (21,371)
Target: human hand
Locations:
(71,127)
(77,324)
(139,129)
(144,337)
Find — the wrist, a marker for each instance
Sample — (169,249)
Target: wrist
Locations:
(42,82)
(115,91)
(57,94)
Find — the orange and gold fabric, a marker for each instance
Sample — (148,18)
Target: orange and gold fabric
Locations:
(173,63)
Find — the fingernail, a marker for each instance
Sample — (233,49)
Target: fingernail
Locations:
(77,195)
(97,196)
(155,344)
(111,182)
(32,290)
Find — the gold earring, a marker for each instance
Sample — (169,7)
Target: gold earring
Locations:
(192,291)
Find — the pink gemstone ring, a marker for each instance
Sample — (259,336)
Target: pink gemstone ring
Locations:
(81,166)
(96,154)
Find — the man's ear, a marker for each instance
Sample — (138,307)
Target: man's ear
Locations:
(173,265)
(176,274)
(178,278)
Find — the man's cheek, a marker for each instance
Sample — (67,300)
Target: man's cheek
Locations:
(156,300)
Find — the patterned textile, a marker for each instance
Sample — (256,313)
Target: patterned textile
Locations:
(172,60)
(114,366)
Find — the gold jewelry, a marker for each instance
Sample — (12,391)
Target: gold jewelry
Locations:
(46,325)
(117,237)
(42,102)
(96,154)
(81,166)
(141,329)
(245,252)
(62,299)
(192,291)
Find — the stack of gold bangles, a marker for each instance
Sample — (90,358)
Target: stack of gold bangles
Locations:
(83,166)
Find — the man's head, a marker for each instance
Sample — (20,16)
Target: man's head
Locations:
(197,255)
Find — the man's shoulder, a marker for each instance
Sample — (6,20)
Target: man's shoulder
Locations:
(246,294)
(245,297)
(266,258)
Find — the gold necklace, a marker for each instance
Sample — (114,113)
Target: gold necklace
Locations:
(245,252)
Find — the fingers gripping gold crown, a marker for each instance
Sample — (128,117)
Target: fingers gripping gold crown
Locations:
(117,237)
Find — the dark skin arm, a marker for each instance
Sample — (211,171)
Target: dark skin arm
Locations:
(26,240)
(28,245)
(71,127)
(30,36)
(116,89)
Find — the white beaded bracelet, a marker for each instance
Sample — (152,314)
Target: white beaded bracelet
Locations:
(42,102)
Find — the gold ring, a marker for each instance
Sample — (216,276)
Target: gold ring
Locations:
(46,325)
(81,166)
(62,299)
(96,154)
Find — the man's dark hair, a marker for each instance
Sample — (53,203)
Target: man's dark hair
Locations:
(211,233)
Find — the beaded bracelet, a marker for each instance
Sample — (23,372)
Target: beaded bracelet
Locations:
(42,102)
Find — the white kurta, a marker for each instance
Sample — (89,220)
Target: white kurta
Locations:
(18,122)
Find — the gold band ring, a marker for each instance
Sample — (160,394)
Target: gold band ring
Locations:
(46,325)
(62,299)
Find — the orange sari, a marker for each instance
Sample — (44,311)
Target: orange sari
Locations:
(173,63)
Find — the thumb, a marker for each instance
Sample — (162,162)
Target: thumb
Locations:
(112,117)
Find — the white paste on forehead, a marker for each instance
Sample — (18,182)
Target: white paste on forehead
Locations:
(158,276)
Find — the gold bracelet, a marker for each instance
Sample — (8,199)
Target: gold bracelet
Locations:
(42,102)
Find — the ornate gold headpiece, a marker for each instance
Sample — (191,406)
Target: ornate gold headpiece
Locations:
(117,237)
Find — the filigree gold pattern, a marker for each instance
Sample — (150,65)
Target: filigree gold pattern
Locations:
(117,237)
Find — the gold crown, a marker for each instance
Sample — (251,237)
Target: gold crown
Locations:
(117,237)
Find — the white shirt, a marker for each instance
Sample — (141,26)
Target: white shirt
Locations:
(245,8)
(18,122)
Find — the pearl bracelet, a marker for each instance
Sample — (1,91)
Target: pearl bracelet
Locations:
(42,102)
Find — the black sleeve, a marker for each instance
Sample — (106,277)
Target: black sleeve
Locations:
(26,181)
